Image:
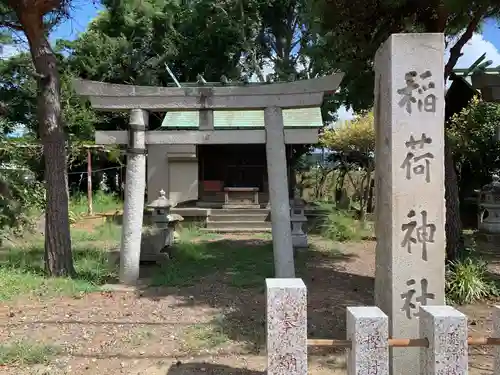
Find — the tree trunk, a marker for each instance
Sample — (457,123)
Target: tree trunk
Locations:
(58,255)
(453,226)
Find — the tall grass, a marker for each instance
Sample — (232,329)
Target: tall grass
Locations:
(22,265)
(101,203)
(468,279)
(339,225)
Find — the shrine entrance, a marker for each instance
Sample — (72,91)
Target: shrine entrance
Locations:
(231,166)
(275,115)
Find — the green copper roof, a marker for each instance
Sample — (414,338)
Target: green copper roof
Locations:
(189,119)
(295,117)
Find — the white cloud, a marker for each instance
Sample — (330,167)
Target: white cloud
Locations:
(8,50)
(476,46)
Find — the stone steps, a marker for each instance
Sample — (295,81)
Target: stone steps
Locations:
(238,221)
(236,230)
(238,224)
(237,217)
(238,211)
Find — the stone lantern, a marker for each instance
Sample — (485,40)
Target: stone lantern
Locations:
(298,219)
(489,207)
(157,242)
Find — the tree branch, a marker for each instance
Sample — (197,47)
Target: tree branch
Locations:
(11,25)
(456,50)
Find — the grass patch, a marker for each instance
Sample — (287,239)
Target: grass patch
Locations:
(22,353)
(108,232)
(101,203)
(22,266)
(203,336)
(139,337)
(239,263)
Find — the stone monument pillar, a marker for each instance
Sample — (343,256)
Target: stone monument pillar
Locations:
(410,210)
(135,186)
(278,193)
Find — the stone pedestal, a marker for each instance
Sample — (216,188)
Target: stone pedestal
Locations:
(241,197)
(409,181)
(299,221)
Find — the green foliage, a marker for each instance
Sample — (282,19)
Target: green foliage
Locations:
(473,137)
(19,201)
(341,226)
(467,281)
(357,136)
(101,203)
(353,146)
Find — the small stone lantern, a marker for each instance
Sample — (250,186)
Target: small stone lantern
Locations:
(157,241)
(161,209)
(298,219)
(489,207)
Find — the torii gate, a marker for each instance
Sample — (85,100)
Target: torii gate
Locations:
(140,100)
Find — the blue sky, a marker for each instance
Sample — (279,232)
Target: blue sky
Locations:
(491,32)
(487,42)
(81,14)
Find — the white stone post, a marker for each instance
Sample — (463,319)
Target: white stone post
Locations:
(368,331)
(446,330)
(409,180)
(286,314)
(278,193)
(496,333)
(135,186)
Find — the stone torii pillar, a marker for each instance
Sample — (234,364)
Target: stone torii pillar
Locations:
(278,193)
(135,185)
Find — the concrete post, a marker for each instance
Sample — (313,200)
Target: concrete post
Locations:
(368,330)
(278,193)
(135,186)
(446,330)
(286,314)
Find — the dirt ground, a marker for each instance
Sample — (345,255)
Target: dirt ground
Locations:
(208,329)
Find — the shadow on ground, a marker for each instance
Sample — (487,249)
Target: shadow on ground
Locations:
(230,275)
(208,368)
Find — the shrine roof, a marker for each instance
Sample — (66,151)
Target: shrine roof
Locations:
(229,119)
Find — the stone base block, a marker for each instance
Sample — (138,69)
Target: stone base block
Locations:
(160,258)
(153,244)
(300,241)
(233,206)
(493,238)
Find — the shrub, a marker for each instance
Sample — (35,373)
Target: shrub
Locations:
(341,226)
(20,199)
(467,281)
